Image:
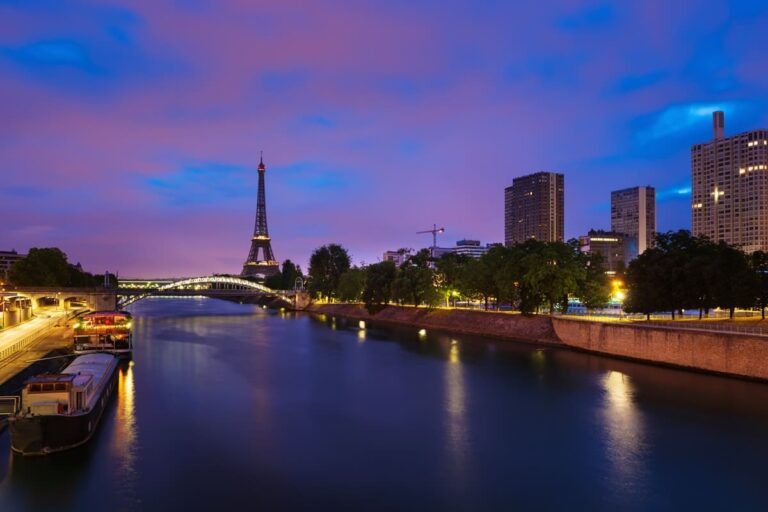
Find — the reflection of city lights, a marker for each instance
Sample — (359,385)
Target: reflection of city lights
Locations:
(624,428)
(361,335)
(453,354)
(456,426)
(538,357)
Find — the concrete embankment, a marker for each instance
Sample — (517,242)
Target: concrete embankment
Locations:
(723,353)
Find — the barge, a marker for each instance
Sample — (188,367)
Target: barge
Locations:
(104,331)
(61,411)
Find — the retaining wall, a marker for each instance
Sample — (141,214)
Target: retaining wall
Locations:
(729,354)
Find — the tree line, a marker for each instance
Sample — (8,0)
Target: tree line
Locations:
(683,271)
(529,277)
(48,266)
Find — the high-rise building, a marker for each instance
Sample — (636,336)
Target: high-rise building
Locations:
(533,208)
(730,187)
(610,245)
(633,214)
(266,265)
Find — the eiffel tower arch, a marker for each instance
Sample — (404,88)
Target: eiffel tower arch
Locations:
(261,244)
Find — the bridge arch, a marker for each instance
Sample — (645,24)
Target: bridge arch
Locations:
(236,281)
(233,284)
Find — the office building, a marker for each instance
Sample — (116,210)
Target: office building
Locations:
(610,245)
(730,187)
(633,214)
(533,208)
(470,248)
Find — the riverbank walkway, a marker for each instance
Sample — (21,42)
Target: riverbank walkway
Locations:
(32,340)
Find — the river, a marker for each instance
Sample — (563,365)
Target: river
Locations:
(231,405)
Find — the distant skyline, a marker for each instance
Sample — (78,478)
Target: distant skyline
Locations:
(130,132)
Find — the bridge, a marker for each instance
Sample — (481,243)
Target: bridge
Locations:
(130,291)
(222,287)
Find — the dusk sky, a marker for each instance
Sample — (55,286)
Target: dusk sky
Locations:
(130,131)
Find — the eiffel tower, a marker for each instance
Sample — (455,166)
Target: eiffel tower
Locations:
(267,266)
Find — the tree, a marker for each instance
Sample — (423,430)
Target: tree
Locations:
(326,265)
(593,288)
(379,280)
(415,281)
(449,268)
(49,267)
(734,279)
(351,285)
(759,264)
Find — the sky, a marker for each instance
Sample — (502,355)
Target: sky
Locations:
(130,131)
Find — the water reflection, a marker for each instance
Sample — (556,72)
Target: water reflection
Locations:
(624,429)
(123,440)
(456,414)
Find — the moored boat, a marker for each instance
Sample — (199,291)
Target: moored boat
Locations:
(104,331)
(61,411)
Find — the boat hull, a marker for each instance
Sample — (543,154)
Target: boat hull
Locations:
(46,434)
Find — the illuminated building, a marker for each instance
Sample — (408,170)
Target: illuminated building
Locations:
(470,248)
(610,245)
(260,242)
(730,187)
(533,208)
(633,214)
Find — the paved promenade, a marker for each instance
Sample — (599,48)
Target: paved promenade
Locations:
(57,334)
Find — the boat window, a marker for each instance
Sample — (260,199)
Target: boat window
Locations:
(60,386)
(35,388)
(48,386)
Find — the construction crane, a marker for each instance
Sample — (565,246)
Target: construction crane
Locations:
(435,231)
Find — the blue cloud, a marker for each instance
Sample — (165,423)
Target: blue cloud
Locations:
(675,193)
(61,52)
(677,119)
(589,18)
(633,83)
(313,175)
(203,183)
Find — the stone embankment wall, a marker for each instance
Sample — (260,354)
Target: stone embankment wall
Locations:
(500,325)
(729,354)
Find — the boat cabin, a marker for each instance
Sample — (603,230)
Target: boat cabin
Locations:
(60,393)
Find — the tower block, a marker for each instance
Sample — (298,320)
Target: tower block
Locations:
(260,242)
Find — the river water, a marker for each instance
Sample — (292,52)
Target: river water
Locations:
(230,405)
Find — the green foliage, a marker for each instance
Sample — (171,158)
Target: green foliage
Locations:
(687,272)
(286,278)
(49,267)
(379,280)
(351,285)
(759,264)
(326,265)
(415,281)
(449,269)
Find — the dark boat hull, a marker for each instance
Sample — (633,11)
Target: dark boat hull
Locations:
(42,435)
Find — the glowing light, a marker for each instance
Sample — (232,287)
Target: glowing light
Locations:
(717,193)
(422,332)
(361,324)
